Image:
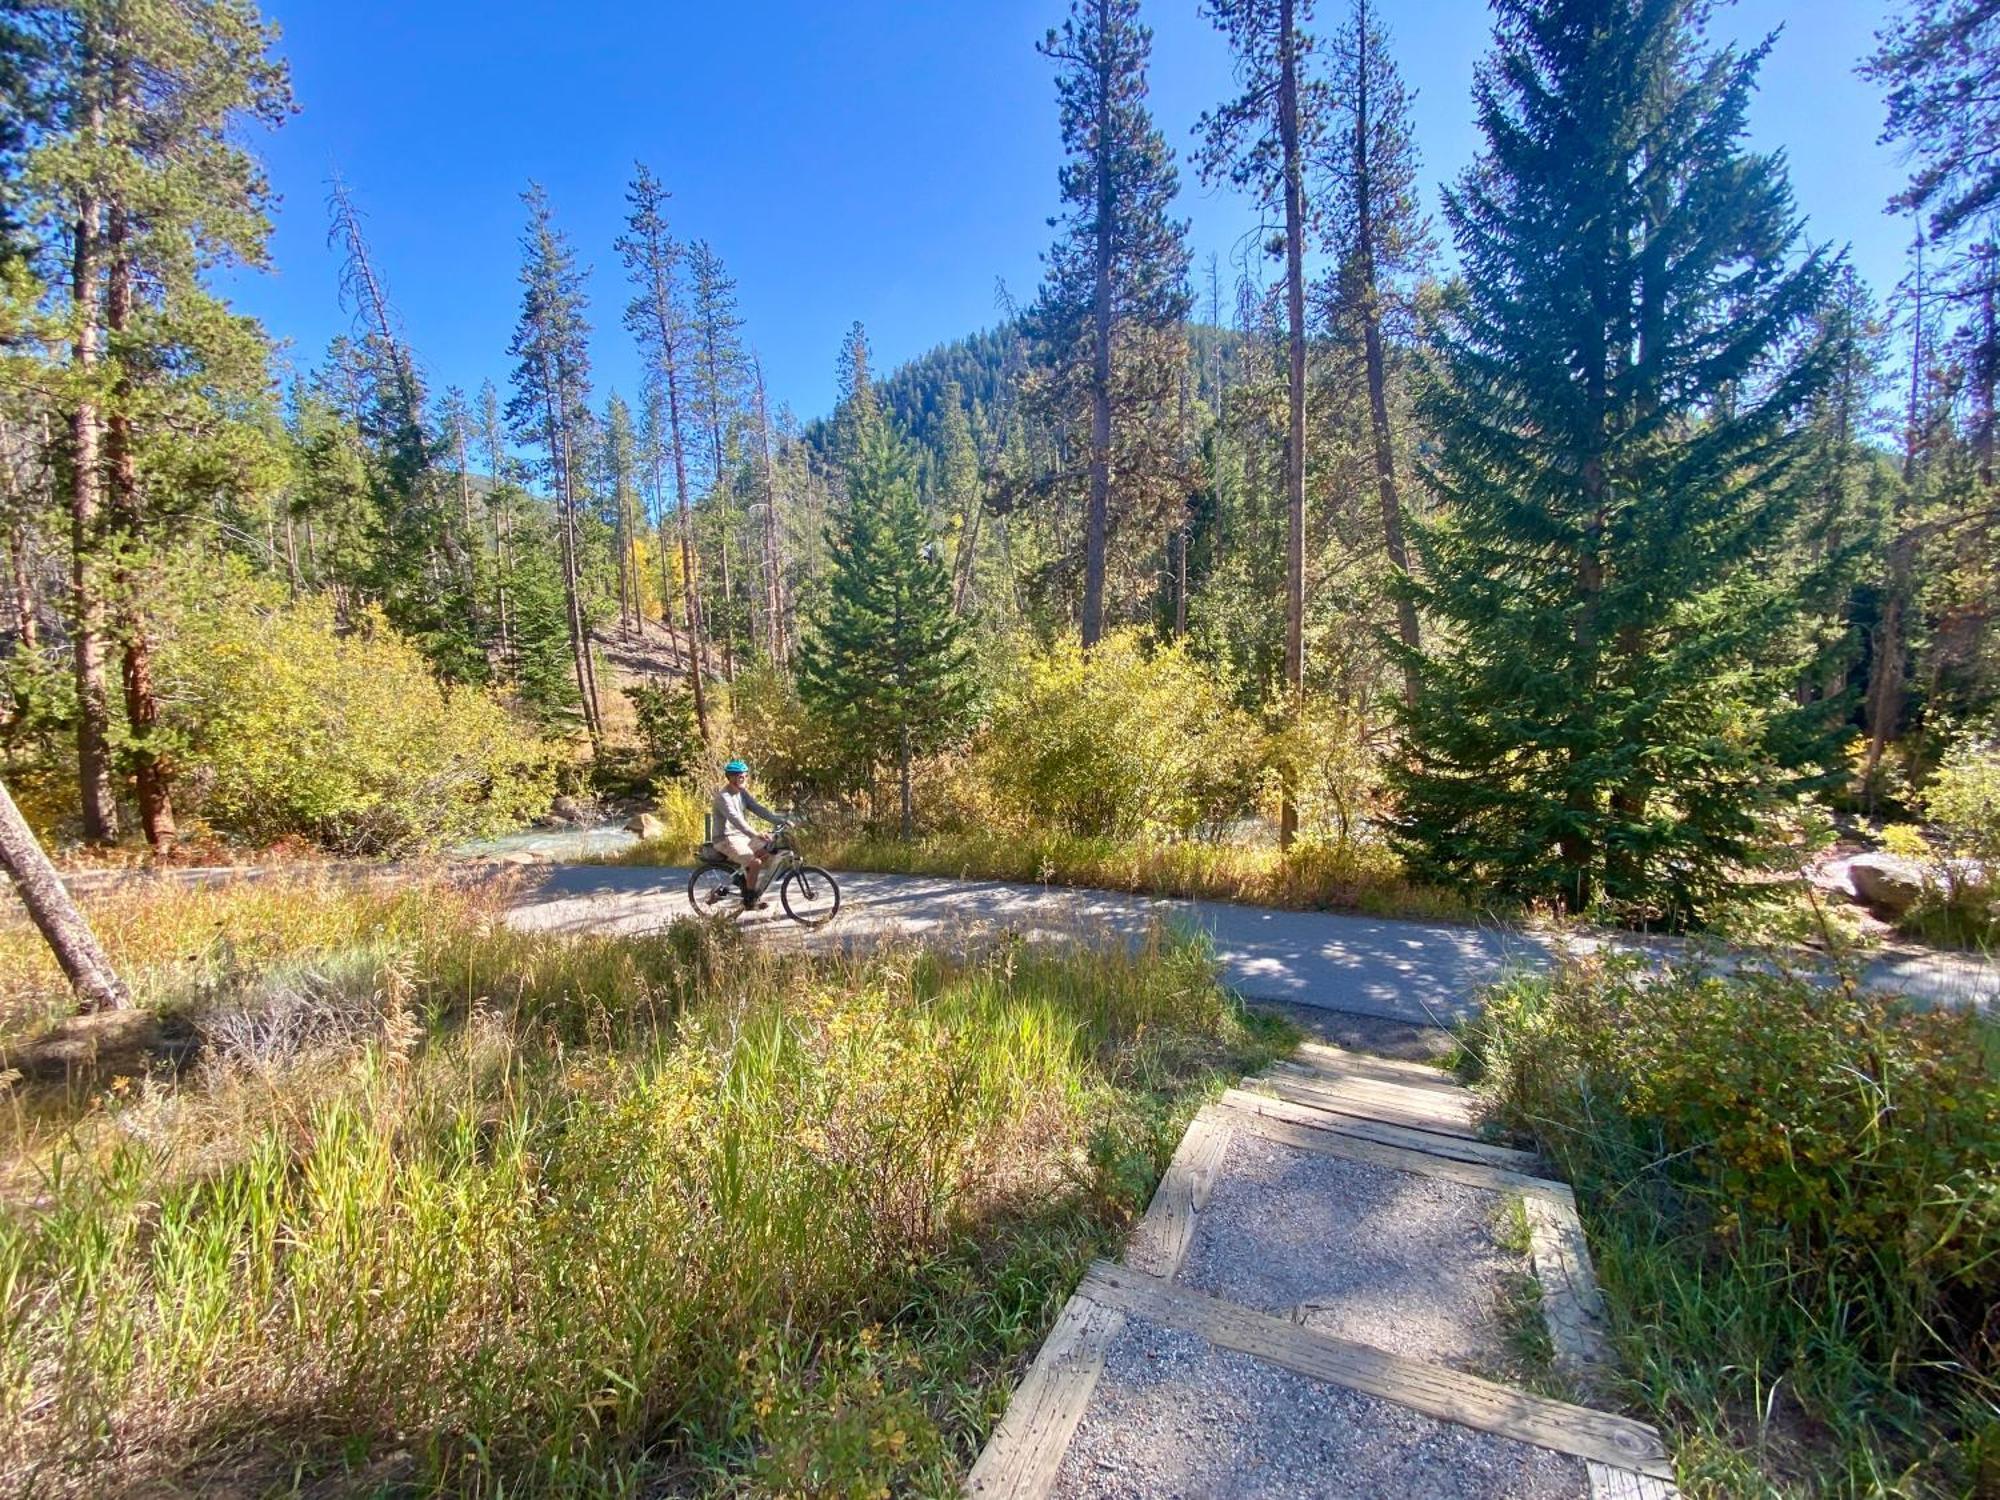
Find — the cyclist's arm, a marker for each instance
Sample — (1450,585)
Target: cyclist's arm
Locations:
(751,804)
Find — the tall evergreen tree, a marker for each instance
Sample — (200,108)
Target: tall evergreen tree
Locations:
(1940,61)
(718,390)
(1608,704)
(885,661)
(551,409)
(657,318)
(1379,239)
(1121,259)
(141,183)
(621,497)
(1261,140)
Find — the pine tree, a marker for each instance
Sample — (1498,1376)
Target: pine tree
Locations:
(1380,238)
(1121,259)
(885,662)
(855,406)
(717,330)
(658,321)
(1261,140)
(621,469)
(137,168)
(1608,704)
(1941,63)
(550,408)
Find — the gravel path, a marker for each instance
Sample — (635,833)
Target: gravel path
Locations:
(1174,1418)
(1418,973)
(1406,1263)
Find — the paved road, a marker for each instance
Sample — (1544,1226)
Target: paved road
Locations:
(1420,972)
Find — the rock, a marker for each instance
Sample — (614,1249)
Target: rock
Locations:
(569,809)
(1888,884)
(647,825)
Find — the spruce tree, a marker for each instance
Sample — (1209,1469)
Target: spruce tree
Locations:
(1607,707)
(550,408)
(1121,258)
(885,663)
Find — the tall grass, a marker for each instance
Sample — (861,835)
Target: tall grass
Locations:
(1350,877)
(1793,1195)
(592,1216)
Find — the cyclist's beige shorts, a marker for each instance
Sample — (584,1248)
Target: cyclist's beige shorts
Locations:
(737,847)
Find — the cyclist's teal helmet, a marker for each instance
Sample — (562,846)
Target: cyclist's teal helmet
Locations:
(736,768)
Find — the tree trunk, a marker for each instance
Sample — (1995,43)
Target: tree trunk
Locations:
(903,765)
(1886,671)
(1097,518)
(690,590)
(728,602)
(151,768)
(1378,384)
(93,699)
(25,626)
(579,645)
(1986,367)
(48,902)
(774,598)
(1180,583)
(1295,440)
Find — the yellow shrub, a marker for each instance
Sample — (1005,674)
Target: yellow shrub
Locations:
(288,725)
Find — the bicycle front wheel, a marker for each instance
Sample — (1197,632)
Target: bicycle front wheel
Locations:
(809,895)
(711,888)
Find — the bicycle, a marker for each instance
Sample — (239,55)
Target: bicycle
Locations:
(809,895)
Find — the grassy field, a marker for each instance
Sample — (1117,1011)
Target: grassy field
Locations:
(1793,1196)
(429,1206)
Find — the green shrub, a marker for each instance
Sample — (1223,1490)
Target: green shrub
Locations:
(1126,740)
(1960,851)
(1789,1183)
(289,722)
(669,735)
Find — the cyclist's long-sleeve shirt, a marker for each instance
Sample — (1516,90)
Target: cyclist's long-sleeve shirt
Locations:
(729,810)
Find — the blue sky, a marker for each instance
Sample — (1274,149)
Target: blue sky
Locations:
(847,158)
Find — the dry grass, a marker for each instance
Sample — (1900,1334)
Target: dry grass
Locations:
(439,1207)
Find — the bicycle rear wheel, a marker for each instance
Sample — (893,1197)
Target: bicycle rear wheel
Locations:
(809,896)
(711,889)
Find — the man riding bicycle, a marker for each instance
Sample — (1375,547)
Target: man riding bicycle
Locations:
(734,839)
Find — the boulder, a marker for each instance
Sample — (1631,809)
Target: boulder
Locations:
(1886,883)
(647,825)
(569,809)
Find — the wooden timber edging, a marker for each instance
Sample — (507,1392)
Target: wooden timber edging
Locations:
(1450,1395)
(1020,1460)
(1400,1158)
(1277,1107)
(1160,1244)
(1624,1459)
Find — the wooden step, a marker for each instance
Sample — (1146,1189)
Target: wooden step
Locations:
(1414,1109)
(1340,1061)
(1323,1142)
(1434,1390)
(1437,1143)
(1456,1106)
